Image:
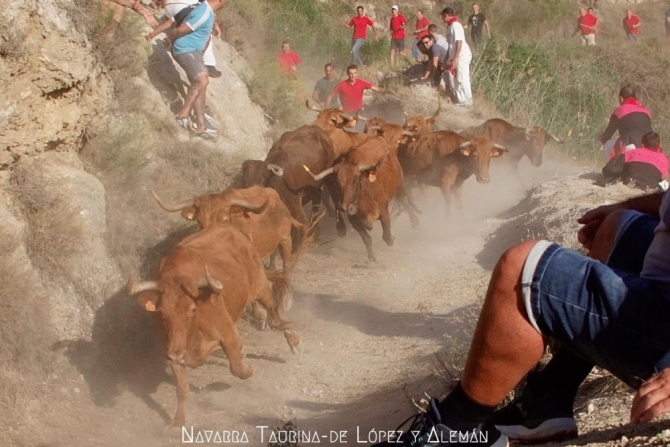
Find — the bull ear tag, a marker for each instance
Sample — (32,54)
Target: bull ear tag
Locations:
(150,306)
(372,177)
(189,216)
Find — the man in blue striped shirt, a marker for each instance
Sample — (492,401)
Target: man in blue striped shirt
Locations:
(188,43)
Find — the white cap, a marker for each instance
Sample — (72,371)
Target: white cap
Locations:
(394,7)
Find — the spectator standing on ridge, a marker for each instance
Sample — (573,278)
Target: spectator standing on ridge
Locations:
(631,24)
(176,11)
(360,24)
(437,37)
(631,119)
(644,167)
(188,43)
(477,21)
(420,30)
(588,25)
(459,58)
(397,33)
(288,60)
(350,91)
(325,86)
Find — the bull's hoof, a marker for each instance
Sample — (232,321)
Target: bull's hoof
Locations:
(341,228)
(389,240)
(244,372)
(371,258)
(415,222)
(298,349)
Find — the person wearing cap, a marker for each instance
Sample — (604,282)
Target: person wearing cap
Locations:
(397,34)
(360,24)
(458,59)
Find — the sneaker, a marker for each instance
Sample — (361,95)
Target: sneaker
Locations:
(427,430)
(213,72)
(207,136)
(209,127)
(533,420)
(208,114)
(183,122)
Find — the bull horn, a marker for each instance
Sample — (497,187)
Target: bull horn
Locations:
(171,208)
(248,206)
(439,106)
(311,107)
(406,118)
(501,147)
(133,288)
(320,176)
(346,116)
(212,282)
(232,170)
(373,167)
(374,129)
(276,170)
(359,117)
(465,144)
(558,140)
(407,133)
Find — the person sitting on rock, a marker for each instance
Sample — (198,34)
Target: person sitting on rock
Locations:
(643,168)
(610,308)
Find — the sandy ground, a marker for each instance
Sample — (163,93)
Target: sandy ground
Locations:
(376,339)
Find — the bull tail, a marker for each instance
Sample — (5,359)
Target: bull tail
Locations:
(281,298)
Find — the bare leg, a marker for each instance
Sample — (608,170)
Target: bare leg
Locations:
(603,242)
(505,345)
(197,87)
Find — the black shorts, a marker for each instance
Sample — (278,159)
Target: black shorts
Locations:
(398,44)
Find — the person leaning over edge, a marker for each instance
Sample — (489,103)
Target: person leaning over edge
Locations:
(360,24)
(644,167)
(610,308)
(138,7)
(350,91)
(477,21)
(437,55)
(188,42)
(397,27)
(324,86)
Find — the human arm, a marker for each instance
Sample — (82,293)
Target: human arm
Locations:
(431,67)
(176,33)
(347,25)
(374,30)
(217,29)
(612,126)
(652,398)
(315,97)
(423,28)
(159,29)
(591,220)
(374,88)
(457,52)
(139,8)
(488,29)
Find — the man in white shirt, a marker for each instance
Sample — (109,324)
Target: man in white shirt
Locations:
(459,58)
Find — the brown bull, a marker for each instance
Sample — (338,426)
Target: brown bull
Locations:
(369,176)
(334,122)
(422,125)
(257,211)
(520,140)
(200,291)
(282,169)
(445,159)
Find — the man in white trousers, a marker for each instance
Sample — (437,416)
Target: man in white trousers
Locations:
(458,59)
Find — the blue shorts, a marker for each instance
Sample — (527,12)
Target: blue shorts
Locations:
(606,314)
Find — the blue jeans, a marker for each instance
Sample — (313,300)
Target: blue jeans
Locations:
(356,45)
(606,314)
(632,37)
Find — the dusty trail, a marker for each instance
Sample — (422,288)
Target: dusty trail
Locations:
(371,334)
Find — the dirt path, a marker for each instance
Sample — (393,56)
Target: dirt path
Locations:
(371,334)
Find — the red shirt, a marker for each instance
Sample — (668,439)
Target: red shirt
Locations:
(422,23)
(287,60)
(360,26)
(351,96)
(586,23)
(396,23)
(628,25)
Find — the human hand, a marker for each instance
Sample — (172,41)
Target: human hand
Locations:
(149,37)
(652,398)
(591,221)
(217,30)
(150,19)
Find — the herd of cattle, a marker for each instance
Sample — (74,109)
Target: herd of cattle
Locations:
(211,278)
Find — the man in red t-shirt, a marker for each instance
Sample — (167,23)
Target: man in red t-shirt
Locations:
(420,30)
(288,60)
(397,34)
(588,25)
(360,24)
(350,91)
(631,24)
